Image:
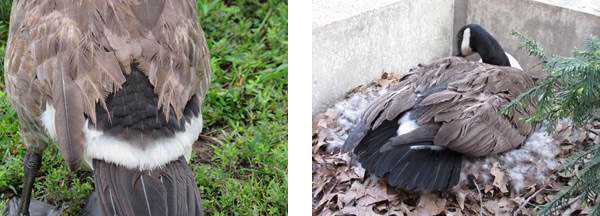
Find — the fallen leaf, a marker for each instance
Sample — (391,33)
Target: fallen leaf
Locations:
(505,206)
(315,123)
(394,213)
(499,177)
(539,198)
(359,172)
(460,196)
(574,207)
(381,207)
(429,204)
(357,211)
(322,123)
(320,140)
(383,83)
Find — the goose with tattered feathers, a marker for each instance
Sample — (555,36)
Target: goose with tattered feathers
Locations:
(416,134)
(119,85)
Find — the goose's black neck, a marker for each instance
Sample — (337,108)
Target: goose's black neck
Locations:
(488,48)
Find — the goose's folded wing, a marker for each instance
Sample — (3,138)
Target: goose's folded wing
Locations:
(386,108)
(470,111)
(392,105)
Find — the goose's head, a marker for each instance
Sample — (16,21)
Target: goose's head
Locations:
(473,39)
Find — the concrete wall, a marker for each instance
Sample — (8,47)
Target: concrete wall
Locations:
(558,25)
(354,41)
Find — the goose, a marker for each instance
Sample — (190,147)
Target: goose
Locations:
(473,39)
(119,86)
(416,135)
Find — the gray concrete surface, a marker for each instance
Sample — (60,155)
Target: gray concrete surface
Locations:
(355,41)
(558,25)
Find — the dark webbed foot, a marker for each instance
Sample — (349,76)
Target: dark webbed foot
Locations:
(36,208)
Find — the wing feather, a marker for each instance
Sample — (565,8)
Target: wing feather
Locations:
(73,55)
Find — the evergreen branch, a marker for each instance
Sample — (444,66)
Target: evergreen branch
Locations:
(530,45)
(571,90)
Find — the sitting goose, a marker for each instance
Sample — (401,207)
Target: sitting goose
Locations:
(416,135)
(119,85)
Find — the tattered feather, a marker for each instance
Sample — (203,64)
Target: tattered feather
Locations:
(94,43)
(69,119)
(169,190)
(465,98)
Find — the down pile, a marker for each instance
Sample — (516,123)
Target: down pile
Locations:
(514,183)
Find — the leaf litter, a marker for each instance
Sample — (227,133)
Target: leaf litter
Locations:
(517,182)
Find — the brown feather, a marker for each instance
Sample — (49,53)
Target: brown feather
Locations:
(69,119)
(169,190)
(94,44)
(465,98)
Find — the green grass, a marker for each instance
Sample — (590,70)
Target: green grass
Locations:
(245,172)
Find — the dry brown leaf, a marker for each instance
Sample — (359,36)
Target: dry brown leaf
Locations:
(358,211)
(383,83)
(366,200)
(349,197)
(379,193)
(331,113)
(395,213)
(315,122)
(488,188)
(322,123)
(499,177)
(321,137)
(460,196)
(393,76)
(381,207)
(539,198)
(505,206)
(358,188)
(325,200)
(359,172)
(404,208)
(574,207)
(343,177)
(429,204)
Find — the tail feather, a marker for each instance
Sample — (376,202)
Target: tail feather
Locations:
(374,139)
(421,170)
(170,190)
(413,169)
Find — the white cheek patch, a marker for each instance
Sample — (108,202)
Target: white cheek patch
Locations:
(406,124)
(47,118)
(157,153)
(465,47)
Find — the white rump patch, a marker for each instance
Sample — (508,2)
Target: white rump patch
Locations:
(47,118)
(157,153)
(406,124)
(513,62)
(465,46)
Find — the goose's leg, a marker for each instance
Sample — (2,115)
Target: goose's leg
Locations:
(32,163)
